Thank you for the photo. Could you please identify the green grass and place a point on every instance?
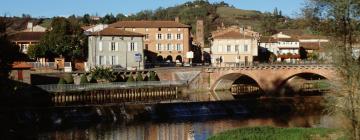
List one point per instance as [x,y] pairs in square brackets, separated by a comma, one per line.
[272,133]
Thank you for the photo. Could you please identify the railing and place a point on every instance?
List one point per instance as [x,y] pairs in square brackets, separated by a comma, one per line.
[114,85]
[47,64]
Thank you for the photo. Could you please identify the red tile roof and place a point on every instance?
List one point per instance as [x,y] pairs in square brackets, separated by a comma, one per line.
[21,65]
[312,45]
[148,24]
[232,35]
[26,36]
[115,32]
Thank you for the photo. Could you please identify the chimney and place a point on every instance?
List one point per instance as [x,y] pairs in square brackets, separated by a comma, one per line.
[30,26]
[177,19]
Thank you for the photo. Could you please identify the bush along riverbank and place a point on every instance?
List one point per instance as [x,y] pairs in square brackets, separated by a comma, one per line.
[273,133]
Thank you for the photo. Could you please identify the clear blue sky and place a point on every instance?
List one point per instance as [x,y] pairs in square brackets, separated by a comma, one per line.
[49,8]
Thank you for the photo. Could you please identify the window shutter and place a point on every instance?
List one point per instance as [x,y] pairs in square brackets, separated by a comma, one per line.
[97,60]
[129,47]
[181,47]
[100,46]
[220,49]
[157,47]
[161,47]
[117,46]
[181,36]
[109,46]
[173,36]
[156,36]
[105,60]
[163,36]
[171,47]
[135,46]
[116,60]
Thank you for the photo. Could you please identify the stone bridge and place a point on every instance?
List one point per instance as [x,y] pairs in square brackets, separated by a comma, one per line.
[269,77]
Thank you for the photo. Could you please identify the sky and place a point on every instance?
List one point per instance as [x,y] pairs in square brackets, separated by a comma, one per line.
[50,8]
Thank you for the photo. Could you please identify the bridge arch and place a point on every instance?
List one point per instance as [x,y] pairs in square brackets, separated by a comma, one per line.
[226,81]
[289,83]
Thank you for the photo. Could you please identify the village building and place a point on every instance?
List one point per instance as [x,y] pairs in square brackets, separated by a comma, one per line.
[112,47]
[234,45]
[164,40]
[30,36]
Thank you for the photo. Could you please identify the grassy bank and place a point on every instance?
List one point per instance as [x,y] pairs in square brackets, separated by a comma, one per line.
[271,133]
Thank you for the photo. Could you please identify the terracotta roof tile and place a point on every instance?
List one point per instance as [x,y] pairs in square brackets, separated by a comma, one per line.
[312,45]
[148,24]
[21,65]
[27,36]
[115,32]
[232,35]
[267,39]
[287,40]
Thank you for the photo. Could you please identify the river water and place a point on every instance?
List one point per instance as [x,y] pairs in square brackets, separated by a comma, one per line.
[195,129]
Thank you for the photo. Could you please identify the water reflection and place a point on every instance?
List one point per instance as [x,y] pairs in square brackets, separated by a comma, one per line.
[196,130]
[176,131]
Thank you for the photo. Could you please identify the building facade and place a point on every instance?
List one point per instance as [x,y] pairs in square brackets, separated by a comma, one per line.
[116,47]
[164,40]
[27,37]
[234,46]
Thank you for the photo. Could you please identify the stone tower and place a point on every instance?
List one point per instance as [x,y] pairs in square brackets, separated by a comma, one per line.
[200,33]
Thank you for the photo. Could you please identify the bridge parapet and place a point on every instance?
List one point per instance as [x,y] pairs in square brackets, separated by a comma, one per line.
[277,66]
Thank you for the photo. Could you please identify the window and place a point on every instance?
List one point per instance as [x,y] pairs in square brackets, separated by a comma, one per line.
[146,29]
[159,36]
[146,46]
[228,48]
[169,48]
[147,37]
[169,29]
[245,48]
[132,46]
[113,46]
[133,29]
[159,29]
[178,36]
[178,47]
[237,48]
[169,36]
[113,60]
[100,46]
[101,60]
[159,47]
[179,29]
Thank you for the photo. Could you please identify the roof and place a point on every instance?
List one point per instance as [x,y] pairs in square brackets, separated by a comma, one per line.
[115,32]
[267,39]
[287,40]
[87,27]
[27,36]
[312,45]
[21,65]
[148,24]
[232,35]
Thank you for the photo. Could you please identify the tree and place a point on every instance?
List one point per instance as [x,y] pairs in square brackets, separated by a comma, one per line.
[62,81]
[86,19]
[342,19]
[66,39]
[108,19]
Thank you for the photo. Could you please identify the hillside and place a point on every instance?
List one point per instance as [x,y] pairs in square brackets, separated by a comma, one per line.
[234,16]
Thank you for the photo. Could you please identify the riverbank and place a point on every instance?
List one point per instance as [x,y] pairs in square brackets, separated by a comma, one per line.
[273,133]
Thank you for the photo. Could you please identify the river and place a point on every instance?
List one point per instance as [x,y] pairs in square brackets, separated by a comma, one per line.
[193,129]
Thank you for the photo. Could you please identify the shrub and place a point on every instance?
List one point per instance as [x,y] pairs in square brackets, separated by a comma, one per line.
[130,79]
[100,73]
[62,81]
[139,77]
[152,76]
[83,79]
[68,78]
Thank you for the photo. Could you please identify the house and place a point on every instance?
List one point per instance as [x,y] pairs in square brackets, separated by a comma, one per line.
[234,45]
[115,47]
[93,28]
[164,40]
[283,46]
[20,71]
[30,36]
